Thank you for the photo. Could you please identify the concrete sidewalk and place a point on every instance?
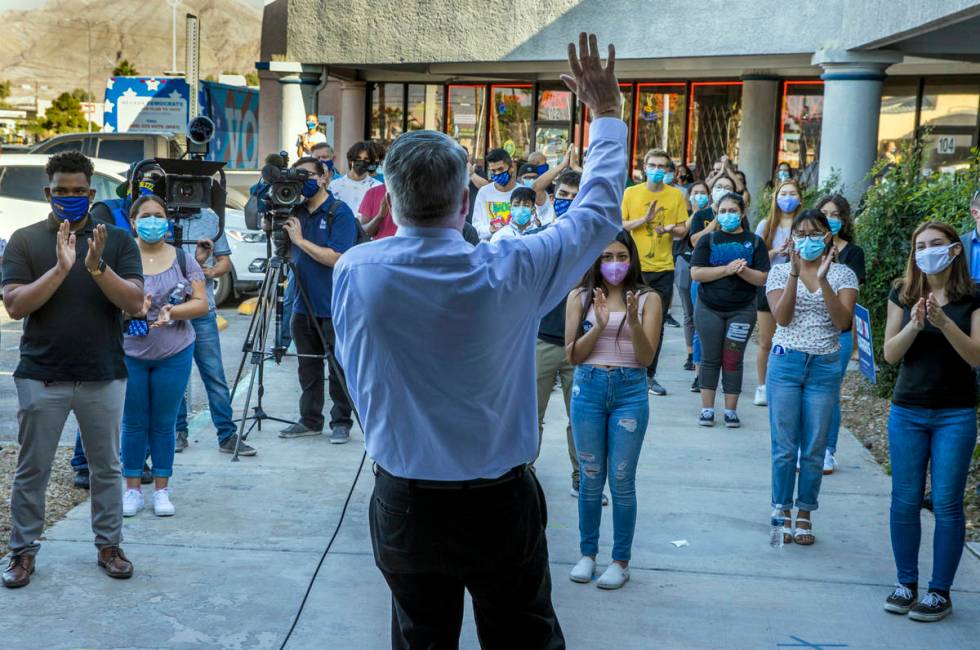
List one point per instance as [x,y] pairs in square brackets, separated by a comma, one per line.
[230,570]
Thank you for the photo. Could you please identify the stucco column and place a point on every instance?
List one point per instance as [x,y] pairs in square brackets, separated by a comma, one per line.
[760,99]
[296,103]
[350,128]
[851,107]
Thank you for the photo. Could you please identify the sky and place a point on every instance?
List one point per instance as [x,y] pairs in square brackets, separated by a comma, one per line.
[6,5]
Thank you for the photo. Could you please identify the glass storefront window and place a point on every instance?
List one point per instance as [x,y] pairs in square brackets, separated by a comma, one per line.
[948,122]
[896,122]
[554,106]
[552,141]
[659,120]
[510,120]
[387,112]
[467,119]
[425,107]
[627,115]
[714,116]
[800,123]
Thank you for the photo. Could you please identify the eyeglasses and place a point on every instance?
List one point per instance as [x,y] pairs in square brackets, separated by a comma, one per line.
[814,237]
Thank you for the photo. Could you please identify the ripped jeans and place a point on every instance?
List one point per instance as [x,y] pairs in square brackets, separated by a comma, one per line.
[610,410]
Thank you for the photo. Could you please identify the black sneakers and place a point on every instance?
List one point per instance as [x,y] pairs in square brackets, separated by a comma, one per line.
[228,446]
[707,418]
[689,364]
[655,387]
[81,478]
[732,421]
[901,600]
[933,607]
[670,320]
[695,387]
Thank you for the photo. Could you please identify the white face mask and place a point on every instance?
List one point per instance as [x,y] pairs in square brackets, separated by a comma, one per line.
[935,259]
[718,192]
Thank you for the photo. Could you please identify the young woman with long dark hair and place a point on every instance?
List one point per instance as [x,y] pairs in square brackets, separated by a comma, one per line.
[933,330]
[775,231]
[612,323]
[838,212]
[812,299]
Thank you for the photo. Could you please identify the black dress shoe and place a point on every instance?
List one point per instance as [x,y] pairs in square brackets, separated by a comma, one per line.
[81,478]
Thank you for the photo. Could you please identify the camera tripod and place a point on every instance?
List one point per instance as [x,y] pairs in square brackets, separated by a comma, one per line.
[267,318]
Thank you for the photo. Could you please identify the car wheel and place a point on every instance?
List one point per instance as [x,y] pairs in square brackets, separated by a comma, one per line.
[223,288]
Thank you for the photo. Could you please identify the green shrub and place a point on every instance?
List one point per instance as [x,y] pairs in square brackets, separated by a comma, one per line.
[900,199]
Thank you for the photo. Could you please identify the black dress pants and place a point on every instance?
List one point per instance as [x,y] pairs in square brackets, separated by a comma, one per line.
[431,544]
[311,374]
[663,283]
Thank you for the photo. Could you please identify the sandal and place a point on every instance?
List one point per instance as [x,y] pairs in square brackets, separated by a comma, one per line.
[801,535]
[788,529]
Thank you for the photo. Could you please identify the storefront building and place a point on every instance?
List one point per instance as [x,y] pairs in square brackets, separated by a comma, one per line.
[860,79]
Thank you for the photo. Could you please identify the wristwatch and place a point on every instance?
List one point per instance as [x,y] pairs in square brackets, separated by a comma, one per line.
[99,269]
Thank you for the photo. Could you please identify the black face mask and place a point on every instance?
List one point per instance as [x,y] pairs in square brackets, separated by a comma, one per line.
[373,167]
[361,166]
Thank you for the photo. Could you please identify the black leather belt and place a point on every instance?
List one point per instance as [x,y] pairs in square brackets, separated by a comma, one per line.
[472,484]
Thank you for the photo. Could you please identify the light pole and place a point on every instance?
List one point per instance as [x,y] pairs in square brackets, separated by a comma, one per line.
[173,35]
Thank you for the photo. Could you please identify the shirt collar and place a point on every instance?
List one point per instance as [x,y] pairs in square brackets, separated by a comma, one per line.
[429,233]
[975,236]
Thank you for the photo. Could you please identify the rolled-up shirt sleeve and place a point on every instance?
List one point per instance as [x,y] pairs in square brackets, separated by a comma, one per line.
[557,257]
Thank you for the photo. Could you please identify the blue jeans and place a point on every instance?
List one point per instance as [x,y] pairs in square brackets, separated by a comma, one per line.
[916,436]
[207,356]
[846,347]
[153,393]
[78,460]
[610,410]
[696,343]
[802,390]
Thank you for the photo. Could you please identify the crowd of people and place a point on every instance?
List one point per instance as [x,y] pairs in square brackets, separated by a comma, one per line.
[149,315]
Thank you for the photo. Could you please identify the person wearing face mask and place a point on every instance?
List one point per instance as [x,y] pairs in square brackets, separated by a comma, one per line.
[612,322]
[700,199]
[377,156]
[352,187]
[838,212]
[781,174]
[812,299]
[684,177]
[523,216]
[74,278]
[682,278]
[655,213]
[491,210]
[527,176]
[311,136]
[158,355]
[775,231]
[729,265]
[325,154]
[933,330]
[320,231]
[971,239]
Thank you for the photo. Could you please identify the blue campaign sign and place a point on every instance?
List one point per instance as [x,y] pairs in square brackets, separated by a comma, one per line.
[146,104]
[235,111]
[866,356]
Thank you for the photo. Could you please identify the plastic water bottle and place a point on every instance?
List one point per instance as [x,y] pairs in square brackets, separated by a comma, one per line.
[177,295]
[776,520]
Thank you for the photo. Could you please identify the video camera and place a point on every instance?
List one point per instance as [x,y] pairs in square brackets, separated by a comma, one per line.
[187,185]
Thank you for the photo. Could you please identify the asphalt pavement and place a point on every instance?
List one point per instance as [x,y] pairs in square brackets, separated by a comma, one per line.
[230,570]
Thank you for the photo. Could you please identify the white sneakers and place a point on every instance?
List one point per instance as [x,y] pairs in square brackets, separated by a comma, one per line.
[614,577]
[583,571]
[829,463]
[161,503]
[760,396]
[133,502]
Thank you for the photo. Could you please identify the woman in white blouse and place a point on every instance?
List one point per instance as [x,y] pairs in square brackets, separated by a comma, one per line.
[812,299]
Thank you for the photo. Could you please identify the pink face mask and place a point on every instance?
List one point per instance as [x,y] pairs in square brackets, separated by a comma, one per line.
[614,272]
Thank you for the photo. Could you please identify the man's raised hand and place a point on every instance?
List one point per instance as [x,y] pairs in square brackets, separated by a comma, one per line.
[595,84]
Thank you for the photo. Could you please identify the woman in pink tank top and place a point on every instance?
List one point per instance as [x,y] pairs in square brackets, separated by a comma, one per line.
[612,325]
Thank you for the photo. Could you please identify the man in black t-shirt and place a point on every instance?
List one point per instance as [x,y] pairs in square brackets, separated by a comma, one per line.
[72,278]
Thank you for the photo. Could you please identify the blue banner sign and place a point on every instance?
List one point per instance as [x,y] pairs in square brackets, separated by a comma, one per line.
[866,355]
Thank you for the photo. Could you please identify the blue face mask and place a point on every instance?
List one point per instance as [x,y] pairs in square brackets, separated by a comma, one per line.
[729,221]
[152,229]
[543,168]
[520,215]
[310,187]
[701,201]
[782,175]
[809,249]
[311,125]
[655,175]
[70,208]
[835,225]
[329,165]
[502,179]
[788,203]
[561,206]
[528,182]
[669,178]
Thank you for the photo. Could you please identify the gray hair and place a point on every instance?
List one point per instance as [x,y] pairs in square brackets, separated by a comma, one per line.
[425,172]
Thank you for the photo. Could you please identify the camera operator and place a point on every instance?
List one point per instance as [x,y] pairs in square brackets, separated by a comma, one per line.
[320,230]
[214,259]
[72,277]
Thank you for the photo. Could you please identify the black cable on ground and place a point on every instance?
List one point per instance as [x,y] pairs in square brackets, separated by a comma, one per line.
[323,557]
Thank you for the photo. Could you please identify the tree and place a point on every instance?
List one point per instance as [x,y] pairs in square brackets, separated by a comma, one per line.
[82,95]
[252,78]
[63,116]
[4,93]
[125,69]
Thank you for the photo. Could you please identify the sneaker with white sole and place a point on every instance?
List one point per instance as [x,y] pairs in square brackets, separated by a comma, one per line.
[760,396]
[829,462]
[583,571]
[132,502]
[614,577]
[162,507]
[901,600]
[931,608]
[732,421]
[707,418]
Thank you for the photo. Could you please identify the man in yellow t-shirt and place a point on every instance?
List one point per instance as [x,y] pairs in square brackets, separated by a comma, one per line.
[655,214]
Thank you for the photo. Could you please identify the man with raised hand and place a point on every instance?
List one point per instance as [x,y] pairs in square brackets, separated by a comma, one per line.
[455,506]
